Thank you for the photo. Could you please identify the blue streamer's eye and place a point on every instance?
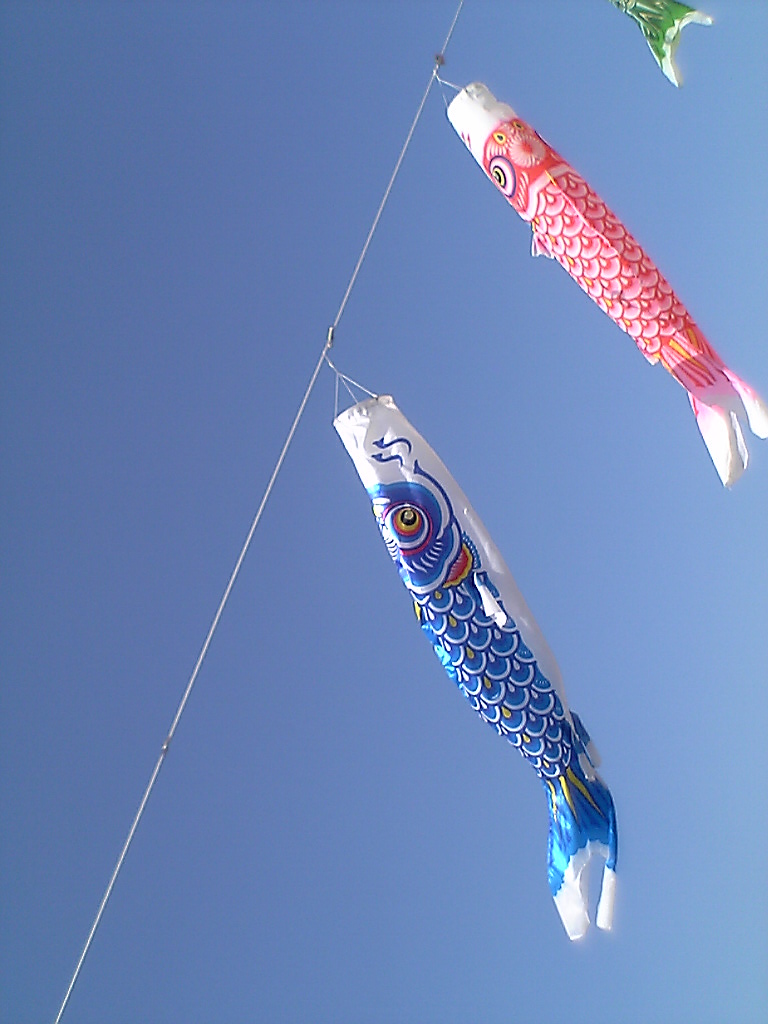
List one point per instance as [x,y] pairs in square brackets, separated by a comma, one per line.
[407,520]
[409,526]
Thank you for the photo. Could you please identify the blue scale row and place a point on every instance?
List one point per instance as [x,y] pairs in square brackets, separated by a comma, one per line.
[499,676]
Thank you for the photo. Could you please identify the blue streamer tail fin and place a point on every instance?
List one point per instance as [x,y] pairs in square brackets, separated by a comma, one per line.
[582,824]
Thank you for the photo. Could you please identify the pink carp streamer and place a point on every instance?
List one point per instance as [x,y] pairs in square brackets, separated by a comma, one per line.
[572,225]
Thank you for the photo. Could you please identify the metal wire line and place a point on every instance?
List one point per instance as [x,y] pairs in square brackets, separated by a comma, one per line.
[439,60]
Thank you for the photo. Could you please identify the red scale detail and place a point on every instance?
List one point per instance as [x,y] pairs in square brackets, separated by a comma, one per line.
[574,225]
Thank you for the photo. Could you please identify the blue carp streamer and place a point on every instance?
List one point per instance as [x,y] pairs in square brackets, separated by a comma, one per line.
[487,641]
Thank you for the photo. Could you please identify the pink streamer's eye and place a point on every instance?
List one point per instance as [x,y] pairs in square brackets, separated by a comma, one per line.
[503,173]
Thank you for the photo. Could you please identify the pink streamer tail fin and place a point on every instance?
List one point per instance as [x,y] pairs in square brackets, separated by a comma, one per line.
[755,407]
[724,439]
[720,416]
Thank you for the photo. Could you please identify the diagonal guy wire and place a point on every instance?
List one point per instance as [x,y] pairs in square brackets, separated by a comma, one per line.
[439,60]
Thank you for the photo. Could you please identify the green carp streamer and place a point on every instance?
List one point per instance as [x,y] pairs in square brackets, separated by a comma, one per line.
[661,22]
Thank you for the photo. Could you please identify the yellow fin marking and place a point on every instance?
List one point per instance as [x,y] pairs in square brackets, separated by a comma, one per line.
[678,348]
[567,795]
[581,788]
[553,794]
[694,340]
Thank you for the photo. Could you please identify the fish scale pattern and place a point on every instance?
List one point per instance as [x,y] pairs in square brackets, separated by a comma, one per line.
[480,646]
[498,675]
[573,225]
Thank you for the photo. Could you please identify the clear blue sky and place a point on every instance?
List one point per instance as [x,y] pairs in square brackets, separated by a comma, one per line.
[184,189]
